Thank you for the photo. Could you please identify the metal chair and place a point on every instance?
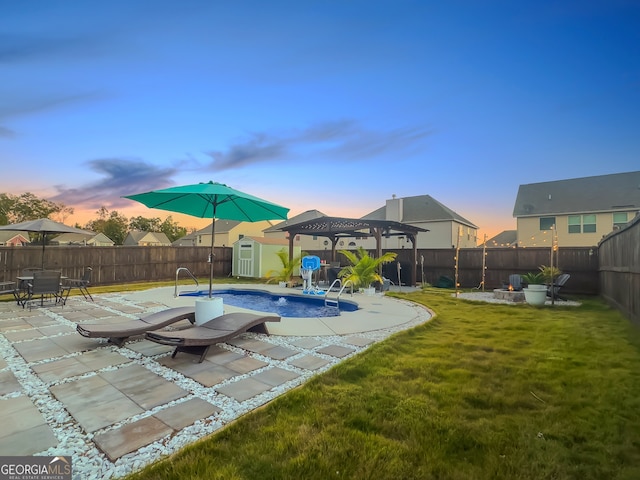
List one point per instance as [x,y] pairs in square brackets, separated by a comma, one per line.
[45,283]
[81,284]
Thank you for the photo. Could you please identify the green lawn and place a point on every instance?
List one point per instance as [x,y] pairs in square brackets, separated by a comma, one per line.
[483,391]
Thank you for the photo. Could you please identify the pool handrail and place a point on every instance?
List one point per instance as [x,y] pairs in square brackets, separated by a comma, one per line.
[175,291]
[336,302]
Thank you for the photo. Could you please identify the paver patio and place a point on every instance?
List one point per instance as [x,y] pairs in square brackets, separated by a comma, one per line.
[62,392]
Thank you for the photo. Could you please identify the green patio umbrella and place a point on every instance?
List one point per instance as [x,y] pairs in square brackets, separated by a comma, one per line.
[215,201]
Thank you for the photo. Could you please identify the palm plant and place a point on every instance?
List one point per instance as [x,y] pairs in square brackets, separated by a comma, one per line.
[533,278]
[549,273]
[363,270]
[285,274]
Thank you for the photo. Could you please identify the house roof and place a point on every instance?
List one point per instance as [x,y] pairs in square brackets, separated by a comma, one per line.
[69,238]
[6,235]
[422,208]
[222,226]
[302,217]
[151,237]
[506,238]
[603,193]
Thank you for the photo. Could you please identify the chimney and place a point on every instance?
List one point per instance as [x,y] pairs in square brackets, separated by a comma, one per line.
[394,209]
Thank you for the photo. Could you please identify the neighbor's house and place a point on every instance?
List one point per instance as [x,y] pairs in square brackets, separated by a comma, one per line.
[583,210]
[9,238]
[146,239]
[305,242]
[227,232]
[447,229]
[93,239]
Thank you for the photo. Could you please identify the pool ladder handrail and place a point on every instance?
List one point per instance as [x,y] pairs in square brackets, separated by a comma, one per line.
[175,291]
[336,303]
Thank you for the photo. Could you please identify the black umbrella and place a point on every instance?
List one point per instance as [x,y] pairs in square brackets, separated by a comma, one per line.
[43,226]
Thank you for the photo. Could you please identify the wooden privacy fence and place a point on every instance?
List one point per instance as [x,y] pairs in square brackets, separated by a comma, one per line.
[580,262]
[116,264]
[122,264]
[619,255]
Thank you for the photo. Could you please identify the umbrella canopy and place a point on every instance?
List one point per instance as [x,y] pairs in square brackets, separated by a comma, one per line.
[215,201]
[43,226]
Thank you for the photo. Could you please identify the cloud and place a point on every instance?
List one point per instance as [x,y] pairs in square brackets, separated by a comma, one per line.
[6,132]
[120,177]
[19,48]
[331,141]
[18,105]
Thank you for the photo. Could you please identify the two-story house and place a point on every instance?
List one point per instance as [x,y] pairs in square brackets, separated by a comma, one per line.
[447,229]
[580,210]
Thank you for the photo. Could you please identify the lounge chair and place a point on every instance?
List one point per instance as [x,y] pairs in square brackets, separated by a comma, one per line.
[117,333]
[197,340]
[557,285]
[515,281]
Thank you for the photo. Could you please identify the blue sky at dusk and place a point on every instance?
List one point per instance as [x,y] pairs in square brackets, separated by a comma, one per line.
[328,105]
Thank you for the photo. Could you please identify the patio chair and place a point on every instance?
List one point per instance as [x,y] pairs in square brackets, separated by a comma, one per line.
[515,281]
[45,284]
[557,285]
[197,340]
[117,333]
[79,283]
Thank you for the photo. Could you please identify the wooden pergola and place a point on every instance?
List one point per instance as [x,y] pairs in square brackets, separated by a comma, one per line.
[336,228]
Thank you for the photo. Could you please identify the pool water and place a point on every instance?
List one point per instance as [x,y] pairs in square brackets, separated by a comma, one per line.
[283,305]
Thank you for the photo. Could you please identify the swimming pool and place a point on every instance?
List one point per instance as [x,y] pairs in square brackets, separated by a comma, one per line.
[283,305]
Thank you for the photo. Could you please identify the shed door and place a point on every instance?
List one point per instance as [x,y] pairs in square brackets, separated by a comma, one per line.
[245,260]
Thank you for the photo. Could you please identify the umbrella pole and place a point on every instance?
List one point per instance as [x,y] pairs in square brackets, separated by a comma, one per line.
[44,235]
[211,254]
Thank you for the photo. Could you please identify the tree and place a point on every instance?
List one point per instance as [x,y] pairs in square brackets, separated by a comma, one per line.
[145,224]
[172,230]
[20,208]
[112,224]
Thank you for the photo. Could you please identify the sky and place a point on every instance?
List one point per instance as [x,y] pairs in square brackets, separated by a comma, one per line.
[327,105]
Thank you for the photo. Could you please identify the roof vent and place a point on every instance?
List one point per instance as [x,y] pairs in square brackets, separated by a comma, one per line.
[549,196]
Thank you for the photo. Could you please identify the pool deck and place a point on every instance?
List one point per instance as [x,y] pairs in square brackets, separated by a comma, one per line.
[115,410]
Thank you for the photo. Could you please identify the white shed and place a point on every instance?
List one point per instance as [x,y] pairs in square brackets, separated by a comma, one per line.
[255,256]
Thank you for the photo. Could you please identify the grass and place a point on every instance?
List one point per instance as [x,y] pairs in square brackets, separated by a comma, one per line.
[483,391]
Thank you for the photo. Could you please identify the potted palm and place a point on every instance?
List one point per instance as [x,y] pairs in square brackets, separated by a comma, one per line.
[284,275]
[535,292]
[363,269]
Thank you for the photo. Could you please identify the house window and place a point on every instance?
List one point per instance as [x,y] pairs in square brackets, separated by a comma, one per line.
[619,220]
[582,223]
[589,224]
[574,224]
[547,222]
